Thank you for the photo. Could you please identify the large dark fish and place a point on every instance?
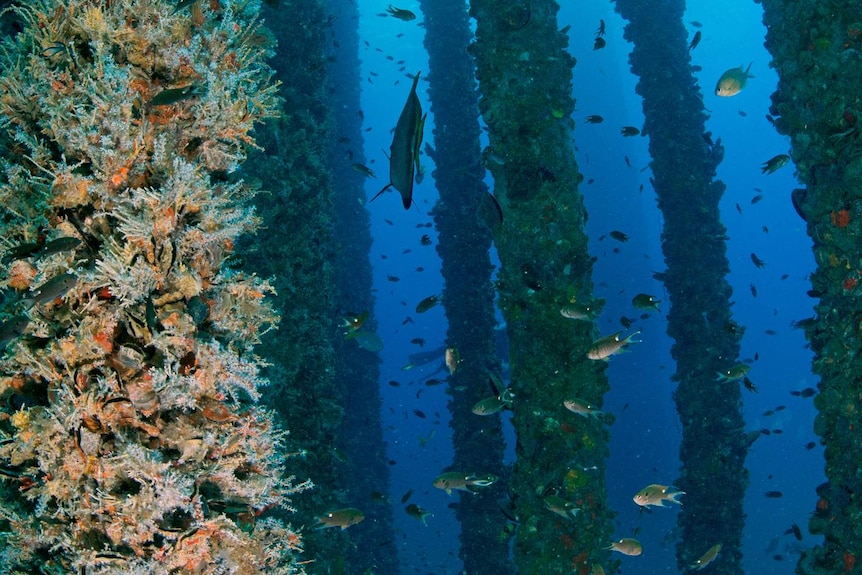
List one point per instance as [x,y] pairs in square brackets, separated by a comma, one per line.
[404,151]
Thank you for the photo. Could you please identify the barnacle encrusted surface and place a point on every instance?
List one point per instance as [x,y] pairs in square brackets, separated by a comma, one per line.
[130,441]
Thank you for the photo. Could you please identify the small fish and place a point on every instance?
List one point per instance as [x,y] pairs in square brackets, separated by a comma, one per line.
[807,392]
[428,303]
[645,301]
[748,384]
[601,30]
[732,82]
[59,245]
[772,165]
[756,199]
[353,322]
[629,131]
[425,240]
[594,119]
[406,497]
[656,495]
[174,95]
[419,413]
[706,558]
[417,513]
[627,546]
[452,358]
[583,408]
[54,288]
[599,43]
[21,251]
[378,497]
[363,169]
[773,494]
[735,373]
[619,236]
[695,41]
[458,480]
[753,289]
[605,347]
[342,518]
[13,328]
[558,505]
[418,341]
[393,279]
[488,406]
[586,312]
[401,14]
[758,263]
[810,445]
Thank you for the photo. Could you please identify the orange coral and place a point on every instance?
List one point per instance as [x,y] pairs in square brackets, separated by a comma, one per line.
[840,219]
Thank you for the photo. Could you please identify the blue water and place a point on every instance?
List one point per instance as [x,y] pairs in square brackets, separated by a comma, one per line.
[645,436]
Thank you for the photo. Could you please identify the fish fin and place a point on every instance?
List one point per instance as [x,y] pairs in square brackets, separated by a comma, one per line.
[747,75]
[386,187]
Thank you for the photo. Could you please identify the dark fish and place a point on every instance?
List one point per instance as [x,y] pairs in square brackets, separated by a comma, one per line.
[418,341]
[52,289]
[619,236]
[753,289]
[400,13]
[21,251]
[773,494]
[810,445]
[418,413]
[758,263]
[404,151]
[393,279]
[629,131]
[807,392]
[406,497]
[13,328]
[59,245]
[756,199]
[427,303]
[363,169]
[748,384]
[695,41]
[601,29]
[425,240]
[594,119]
[174,95]
[599,43]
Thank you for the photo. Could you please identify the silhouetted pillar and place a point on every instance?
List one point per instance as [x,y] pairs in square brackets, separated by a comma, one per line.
[468,296]
[815,49]
[525,77]
[684,160]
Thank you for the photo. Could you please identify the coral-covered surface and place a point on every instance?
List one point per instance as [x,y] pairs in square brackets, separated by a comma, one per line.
[130,440]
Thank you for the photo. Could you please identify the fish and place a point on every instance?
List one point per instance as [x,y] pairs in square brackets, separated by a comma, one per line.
[773,494]
[749,385]
[594,119]
[452,358]
[807,392]
[428,303]
[601,29]
[583,408]
[695,41]
[418,341]
[342,518]
[560,506]
[706,558]
[629,131]
[732,82]
[21,251]
[404,151]
[417,513]
[58,245]
[645,301]
[627,546]
[619,236]
[363,169]
[656,495]
[367,340]
[173,95]
[774,164]
[758,263]
[406,497]
[13,328]
[605,347]
[353,321]
[400,13]
[599,43]
[460,481]
[582,312]
[425,240]
[54,288]
[796,531]
[735,373]
[488,406]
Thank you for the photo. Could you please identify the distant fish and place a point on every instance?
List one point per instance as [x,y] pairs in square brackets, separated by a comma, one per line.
[363,169]
[772,165]
[604,348]
[428,303]
[695,41]
[732,82]
[706,558]
[400,13]
[342,518]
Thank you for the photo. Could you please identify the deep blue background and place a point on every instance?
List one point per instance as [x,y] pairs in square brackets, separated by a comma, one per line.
[645,436]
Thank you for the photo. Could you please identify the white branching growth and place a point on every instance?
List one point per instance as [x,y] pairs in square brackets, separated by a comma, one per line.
[130,440]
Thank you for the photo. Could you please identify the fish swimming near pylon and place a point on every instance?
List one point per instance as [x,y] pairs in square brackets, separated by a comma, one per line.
[404,151]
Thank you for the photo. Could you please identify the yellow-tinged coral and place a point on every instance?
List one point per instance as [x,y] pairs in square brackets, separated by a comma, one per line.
[139,449]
